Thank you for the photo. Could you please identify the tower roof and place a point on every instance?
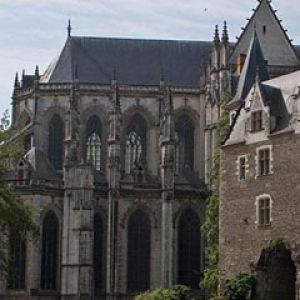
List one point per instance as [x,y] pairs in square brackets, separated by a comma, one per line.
[254,66]
[272,36]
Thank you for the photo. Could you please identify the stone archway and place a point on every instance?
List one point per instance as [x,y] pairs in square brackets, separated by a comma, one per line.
[276,274]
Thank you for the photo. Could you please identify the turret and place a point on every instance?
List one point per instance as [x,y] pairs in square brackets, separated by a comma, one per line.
[215,55]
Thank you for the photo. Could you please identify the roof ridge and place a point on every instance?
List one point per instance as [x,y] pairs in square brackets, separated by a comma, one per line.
[139,39]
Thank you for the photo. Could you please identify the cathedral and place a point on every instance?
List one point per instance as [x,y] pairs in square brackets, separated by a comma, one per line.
[120,136]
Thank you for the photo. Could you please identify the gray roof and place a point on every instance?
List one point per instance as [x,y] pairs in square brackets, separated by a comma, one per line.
[255,63]
[137,62]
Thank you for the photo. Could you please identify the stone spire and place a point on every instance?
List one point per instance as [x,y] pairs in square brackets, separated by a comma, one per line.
[216,36]
[69,28]
[72,127]
[225,37]
[17,82]
[36,73]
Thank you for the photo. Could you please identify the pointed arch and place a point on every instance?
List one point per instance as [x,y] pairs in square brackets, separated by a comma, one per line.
[50,242]
[136,142]
[94,147]
[189,249]
[184,147]
[55,142]
[98,255]
[138,252]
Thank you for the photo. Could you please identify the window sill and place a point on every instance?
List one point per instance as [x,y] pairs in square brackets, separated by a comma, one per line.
[264,227]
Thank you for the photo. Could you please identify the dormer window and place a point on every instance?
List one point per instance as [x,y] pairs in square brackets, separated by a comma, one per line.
[256,121]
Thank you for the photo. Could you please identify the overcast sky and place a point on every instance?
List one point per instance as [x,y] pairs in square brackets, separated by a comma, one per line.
[34,31]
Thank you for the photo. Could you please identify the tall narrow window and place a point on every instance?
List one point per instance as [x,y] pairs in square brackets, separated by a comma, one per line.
[17,258]
[56,139]
[257,121]
[99,279]
[93,143]
[138,259]
[136,143]
[264,211]
[242,167]
[264,162]
[49,252]
[184,151]
[189,249]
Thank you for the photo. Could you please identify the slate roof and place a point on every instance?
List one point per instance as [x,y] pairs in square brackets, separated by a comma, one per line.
[254,63]
[137,62]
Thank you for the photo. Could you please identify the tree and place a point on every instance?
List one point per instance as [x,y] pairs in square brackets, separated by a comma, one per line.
[15,216]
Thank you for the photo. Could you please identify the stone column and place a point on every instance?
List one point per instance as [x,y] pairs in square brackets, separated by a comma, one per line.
[77,240]
[167,144]
[114,175]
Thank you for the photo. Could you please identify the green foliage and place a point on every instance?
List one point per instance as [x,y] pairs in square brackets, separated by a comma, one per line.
[175,293]
[277,244]
[239,287]
[15,215]
[211,225]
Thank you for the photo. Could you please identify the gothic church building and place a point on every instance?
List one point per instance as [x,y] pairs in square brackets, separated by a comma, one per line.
[120,135]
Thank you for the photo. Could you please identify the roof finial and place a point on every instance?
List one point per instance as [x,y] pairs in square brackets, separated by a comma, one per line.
[36,72]
[69,28]
[216,37]
[225,37]
[17,82]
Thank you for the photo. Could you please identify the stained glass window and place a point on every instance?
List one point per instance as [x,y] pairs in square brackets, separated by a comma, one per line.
[93,143]
[136,143]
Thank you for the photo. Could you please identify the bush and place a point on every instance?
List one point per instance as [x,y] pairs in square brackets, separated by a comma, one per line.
[178,292]
[239,287]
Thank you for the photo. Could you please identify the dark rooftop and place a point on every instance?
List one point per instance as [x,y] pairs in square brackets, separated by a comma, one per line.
[137,62]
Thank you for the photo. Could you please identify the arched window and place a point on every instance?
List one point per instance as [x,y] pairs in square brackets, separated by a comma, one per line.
[93,143]
[136,143]
[99,278]
[138,255]
[17,259]
[56,140]
[49,264]
[184,149]
[189,249]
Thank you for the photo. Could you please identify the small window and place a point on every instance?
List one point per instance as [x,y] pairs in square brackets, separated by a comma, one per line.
[242,167]
[264,211]
[264,162]
[256,121]
[264,29]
